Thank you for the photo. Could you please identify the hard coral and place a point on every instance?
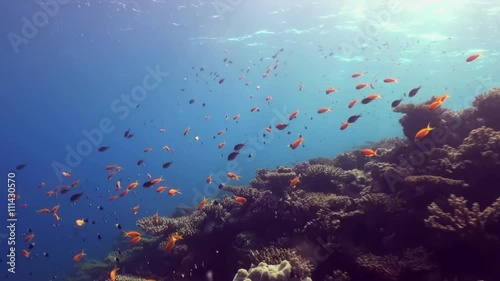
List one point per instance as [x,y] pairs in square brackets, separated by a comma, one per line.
[487,106]
[277,180]
[464,222]
[265,272]
[300,267]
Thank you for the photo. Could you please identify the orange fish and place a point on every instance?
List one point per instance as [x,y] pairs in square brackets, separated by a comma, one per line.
[209,179]
[281,126]
[442,98]
[352,103]
[356,75]
[473,57]
[173,192]
[110,167]
[240,200]
[294,182]
[135,209]
[149,176]
[156,218]
[331,90]
[390,80]
[220,132]
[43,211]
[435,104]
[111,175]
[373,96]
[148,149]
[66,174]
[369,152]
[362,85]
[79,256]
[80,222]
[56,216]
[125,192]
[324,109]
[221,145]
[55,208]
[202,204]
[166,147]
[161,189]
[135,240]
[187,130]
[236,116]
[296,143]
[255,108]
[293,115]
[42,184]
[25,253]
[232,175]
[133,185]
[171,242]
[157,180]
[111,198]
[75,183]
[344,125]
[131,234]
[24,205]
[29,237]
[112,274]
[424,132]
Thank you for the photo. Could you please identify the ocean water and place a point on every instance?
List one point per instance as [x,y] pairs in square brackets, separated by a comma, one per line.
[71,69]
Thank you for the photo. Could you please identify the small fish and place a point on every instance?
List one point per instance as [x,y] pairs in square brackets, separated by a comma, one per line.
[344,125]
[147,184]
[233,155]
[75,197]
[99,236]
[424,132]
[414,91]
[29,237]
[281,126]
[294,182]
[473,57]
[236,117]
[369,152]
[21,166]
[363,85]
[43,211]
[202,204]
[435,105]
[135,209]
[330,90]
[119,226]
[173,192]
[26,253]
[296,143]
[186,131]
[31,246]
[161,189]
[104,148]
[127,133]
[234,176]
[239,146]
[390,80]
[66,174]
[112,274]
[352,103]
[132,185]
[191,101]
[209,179]
[356,75]
[171,242]
[396,102]
[148,149]
[140,162]
[80,222]
[254,108]
[240,199]
[131,234]
[157,180]
[353,118]
[221,80]
[221,145]
[45,254]
[135,240]
[79,256]
[167,164]
[324,109]
[443,97]
[293,115]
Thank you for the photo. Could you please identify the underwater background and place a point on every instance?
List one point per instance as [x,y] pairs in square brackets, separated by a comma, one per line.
[110,91]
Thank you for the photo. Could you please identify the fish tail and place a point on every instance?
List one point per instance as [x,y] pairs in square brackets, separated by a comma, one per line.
[429,126]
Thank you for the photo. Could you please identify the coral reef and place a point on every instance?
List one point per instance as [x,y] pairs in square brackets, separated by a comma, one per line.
[400,215]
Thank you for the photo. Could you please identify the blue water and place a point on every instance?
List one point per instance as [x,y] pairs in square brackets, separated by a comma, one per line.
[71,74]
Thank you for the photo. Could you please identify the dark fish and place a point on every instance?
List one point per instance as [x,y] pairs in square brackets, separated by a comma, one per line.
[75,197]
[353,118]
[250,155]
[239,146]
[130,136]
[127,133]
[221,81]
[147,184]
[202,68]
[215,202]
[233,155]
[64,190]
[86,220]
[117,259]
[140,162]
[119,226]
[396,102]
[119,252]
[203,104]
[99,236]
[103,148]
[366,100]
[221,185]
[31,246]
[29,230]
[21,166]
[167,164]
[191,101]
[100,208]
[413,92]
[46,254]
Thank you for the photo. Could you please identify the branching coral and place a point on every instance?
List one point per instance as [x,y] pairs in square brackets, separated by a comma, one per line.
[465,222]
[380,203]
[300,266]
[433,182]
[243,191]
[487,106]
[277,180]
[338,275]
